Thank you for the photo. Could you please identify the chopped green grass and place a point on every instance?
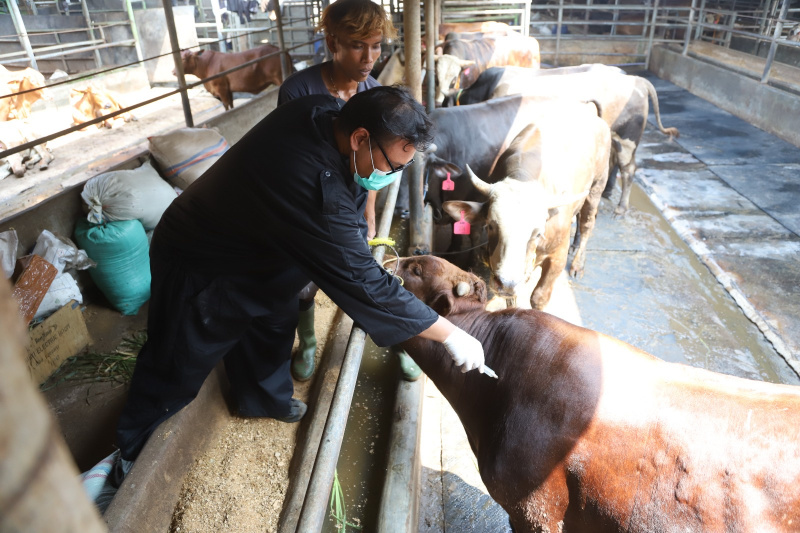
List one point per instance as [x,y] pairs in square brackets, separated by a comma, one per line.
[92,366]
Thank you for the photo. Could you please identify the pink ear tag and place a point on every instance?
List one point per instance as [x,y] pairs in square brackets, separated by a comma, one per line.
[461,227]
[448,185]
[466,71]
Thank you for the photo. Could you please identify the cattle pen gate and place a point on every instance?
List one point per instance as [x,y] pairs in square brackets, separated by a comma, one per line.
[740,54]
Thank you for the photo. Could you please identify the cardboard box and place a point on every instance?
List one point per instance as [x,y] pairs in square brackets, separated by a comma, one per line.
[61,335]
[32,284]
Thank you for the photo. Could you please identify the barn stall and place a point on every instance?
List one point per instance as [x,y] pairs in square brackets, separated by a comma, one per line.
[707,59]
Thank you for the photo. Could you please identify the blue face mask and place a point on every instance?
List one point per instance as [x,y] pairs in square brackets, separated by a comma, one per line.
[378,179]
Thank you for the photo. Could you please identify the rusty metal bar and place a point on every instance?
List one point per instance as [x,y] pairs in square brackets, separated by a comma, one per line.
[285,67]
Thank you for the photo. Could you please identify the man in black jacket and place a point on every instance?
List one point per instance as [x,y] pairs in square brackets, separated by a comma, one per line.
[284,206]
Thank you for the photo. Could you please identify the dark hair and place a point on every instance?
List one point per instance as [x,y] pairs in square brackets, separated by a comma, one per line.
[357,18]
[388,113]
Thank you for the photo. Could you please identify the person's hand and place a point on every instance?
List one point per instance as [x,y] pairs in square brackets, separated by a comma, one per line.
[466,351]
[371,231]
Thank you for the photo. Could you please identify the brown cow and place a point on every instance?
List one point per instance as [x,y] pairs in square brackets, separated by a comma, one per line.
[462,61]
[30,83]
[251,79]
[92,102]
[584,433]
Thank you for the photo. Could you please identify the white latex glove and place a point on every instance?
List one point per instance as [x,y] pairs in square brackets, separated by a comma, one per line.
[466,352]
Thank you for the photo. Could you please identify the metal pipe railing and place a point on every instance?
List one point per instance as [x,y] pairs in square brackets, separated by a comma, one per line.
[315,503]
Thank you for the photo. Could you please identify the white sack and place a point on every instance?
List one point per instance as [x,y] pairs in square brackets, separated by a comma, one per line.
[184,154]
[138,194]
[8,252]
[61,252]
[63,289]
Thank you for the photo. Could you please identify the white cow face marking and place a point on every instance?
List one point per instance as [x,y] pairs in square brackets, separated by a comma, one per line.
[515,222]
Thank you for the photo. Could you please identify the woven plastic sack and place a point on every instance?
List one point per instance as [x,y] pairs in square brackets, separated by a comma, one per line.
[138,194]
[186,153]
[123,262]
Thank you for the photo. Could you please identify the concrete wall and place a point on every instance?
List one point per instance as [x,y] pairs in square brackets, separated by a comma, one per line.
[766,107]
[579,51]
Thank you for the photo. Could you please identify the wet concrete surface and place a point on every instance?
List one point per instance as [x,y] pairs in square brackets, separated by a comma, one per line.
[712,220]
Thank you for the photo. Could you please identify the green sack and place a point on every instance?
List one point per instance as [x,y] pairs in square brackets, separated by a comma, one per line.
[123,261]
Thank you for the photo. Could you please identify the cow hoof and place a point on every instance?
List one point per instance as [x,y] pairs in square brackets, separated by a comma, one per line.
[620,211]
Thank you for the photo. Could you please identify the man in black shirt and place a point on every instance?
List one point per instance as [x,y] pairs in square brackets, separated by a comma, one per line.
[284,206]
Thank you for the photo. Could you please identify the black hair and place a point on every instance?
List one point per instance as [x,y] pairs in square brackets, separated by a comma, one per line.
[388,113]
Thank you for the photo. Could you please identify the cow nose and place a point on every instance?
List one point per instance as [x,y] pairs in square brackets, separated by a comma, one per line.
[506,285]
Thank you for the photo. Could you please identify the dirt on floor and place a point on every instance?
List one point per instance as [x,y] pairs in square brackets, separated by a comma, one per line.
[239,485]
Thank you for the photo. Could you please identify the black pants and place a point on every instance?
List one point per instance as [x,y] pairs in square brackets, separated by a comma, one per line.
[194,321]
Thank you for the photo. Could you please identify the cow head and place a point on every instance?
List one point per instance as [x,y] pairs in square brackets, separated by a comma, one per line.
[448,70]
[440,284]
[189,62]
[516,215]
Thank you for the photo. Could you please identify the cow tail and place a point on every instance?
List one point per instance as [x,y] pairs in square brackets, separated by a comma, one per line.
[596,105]
[672,132]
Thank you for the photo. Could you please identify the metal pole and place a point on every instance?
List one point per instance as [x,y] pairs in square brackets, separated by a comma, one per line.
[19,25]
[217,12]
[134,30]
[688,35]
[558,30]
[319,487]
[431,33]
[285,68]
[419,241]
[700,21]
[762,24]
[176,57]
[85,9]
[399,510]
[773,47]
[615,19]
[652,34]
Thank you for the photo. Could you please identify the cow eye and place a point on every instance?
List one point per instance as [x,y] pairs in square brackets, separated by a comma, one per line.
[416,270]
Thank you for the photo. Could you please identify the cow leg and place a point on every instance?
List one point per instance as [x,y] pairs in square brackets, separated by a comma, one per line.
[551,268]
[45,154]
[223,92]
[586,220]
[625,150]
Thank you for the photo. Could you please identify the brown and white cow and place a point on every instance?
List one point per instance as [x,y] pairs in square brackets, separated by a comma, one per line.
[462,61]
[623,102]
[554,170]
[19,90]
[583,433]
[250,79]
[92,102]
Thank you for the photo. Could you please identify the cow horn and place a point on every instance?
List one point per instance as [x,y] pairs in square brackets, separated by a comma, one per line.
[431,148]
[462,289]
[478,183]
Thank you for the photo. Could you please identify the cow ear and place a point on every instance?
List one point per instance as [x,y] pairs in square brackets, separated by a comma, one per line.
[473,211]
[442,303]
[439,168]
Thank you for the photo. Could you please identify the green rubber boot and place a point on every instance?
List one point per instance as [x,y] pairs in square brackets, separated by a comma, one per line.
[303,360]
[411,372]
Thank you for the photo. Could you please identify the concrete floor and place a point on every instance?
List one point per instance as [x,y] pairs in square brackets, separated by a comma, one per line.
[729,190]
